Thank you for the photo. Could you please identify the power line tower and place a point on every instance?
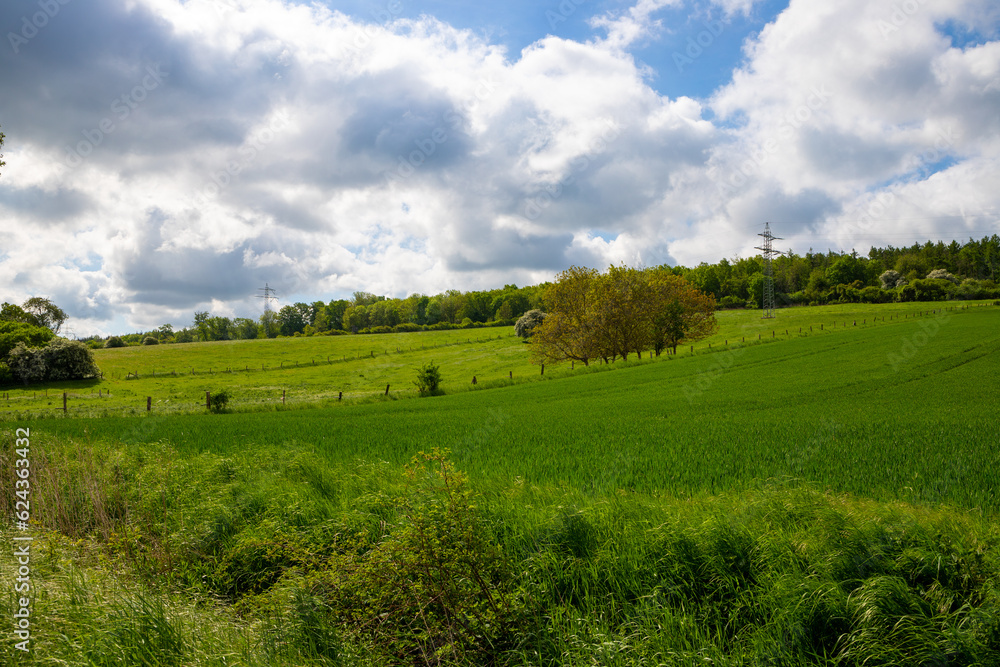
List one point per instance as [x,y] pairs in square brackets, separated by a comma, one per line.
[268,296]
[769,253]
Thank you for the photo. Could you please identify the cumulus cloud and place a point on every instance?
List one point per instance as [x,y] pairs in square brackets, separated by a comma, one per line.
[167,156]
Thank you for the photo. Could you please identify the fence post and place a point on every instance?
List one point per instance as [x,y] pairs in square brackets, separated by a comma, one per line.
[340,396]
[282,396]
[64,402]
[149,403]
[473,379]
[208,400]
[387,390]
[543,369]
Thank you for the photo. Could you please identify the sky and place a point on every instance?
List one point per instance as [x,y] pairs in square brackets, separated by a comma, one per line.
[168,156]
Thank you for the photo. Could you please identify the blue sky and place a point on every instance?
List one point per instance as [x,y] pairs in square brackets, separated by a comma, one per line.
[171,156]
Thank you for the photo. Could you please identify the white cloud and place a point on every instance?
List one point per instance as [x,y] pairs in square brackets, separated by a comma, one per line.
[294,145]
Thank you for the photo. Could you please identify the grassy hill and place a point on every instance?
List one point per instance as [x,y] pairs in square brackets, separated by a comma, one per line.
[260,374]
[823,497]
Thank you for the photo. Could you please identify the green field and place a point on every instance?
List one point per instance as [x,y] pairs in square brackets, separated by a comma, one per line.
[823,497]
[263,374]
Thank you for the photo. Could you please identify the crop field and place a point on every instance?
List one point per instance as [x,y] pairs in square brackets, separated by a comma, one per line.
[853,412]
[823,497]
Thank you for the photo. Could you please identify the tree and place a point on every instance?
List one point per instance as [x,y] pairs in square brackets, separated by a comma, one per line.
[13,333]
[46,313]
[11,313]
[527,322]
[201,323]
[165,333]
[677,312]
[245,328]
[567,332]
[845,271]
[291,320]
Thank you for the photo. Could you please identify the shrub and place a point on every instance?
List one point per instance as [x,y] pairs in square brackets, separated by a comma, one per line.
[429,379]
[942,274]
[731,302]
[891,279]
[60,360]
[114,341]
[217,402]
[407,326]
[448,594]
[6,376]
[527,322]
[149,340]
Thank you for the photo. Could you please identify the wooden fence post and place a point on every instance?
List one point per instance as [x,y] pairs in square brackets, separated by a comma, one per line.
[64,402]
[340,396]
[543,369]
[208,400]
[473,379]
[511,374]
[387,390]
[282,396]
[149,403]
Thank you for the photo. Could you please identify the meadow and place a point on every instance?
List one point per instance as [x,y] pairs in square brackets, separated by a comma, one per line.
[823,497]
[325,370]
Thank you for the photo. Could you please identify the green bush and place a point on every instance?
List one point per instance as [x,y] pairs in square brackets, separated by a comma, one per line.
[429,379]
[12,333]
[60,360]
[114,341]
[731,302]
[446,588]
[527,322]
[218,401]
[149,340]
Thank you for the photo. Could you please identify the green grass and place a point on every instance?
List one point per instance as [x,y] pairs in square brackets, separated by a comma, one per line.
[816,499]
[829,409]
[312,371]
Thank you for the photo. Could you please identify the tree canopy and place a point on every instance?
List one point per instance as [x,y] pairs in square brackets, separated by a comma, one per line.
[605,316]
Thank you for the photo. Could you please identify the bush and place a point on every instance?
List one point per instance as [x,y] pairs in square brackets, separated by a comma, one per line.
[429,380]
[731,302]
[6,376]
[149,340]
[60,360]
[406,327]
[942,274]
[114,341]
[891,279]
[527,322]
[217,402]
[450,596]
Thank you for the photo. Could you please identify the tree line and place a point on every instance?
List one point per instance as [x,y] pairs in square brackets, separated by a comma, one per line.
[921,272]
[363,313]
[831,277]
